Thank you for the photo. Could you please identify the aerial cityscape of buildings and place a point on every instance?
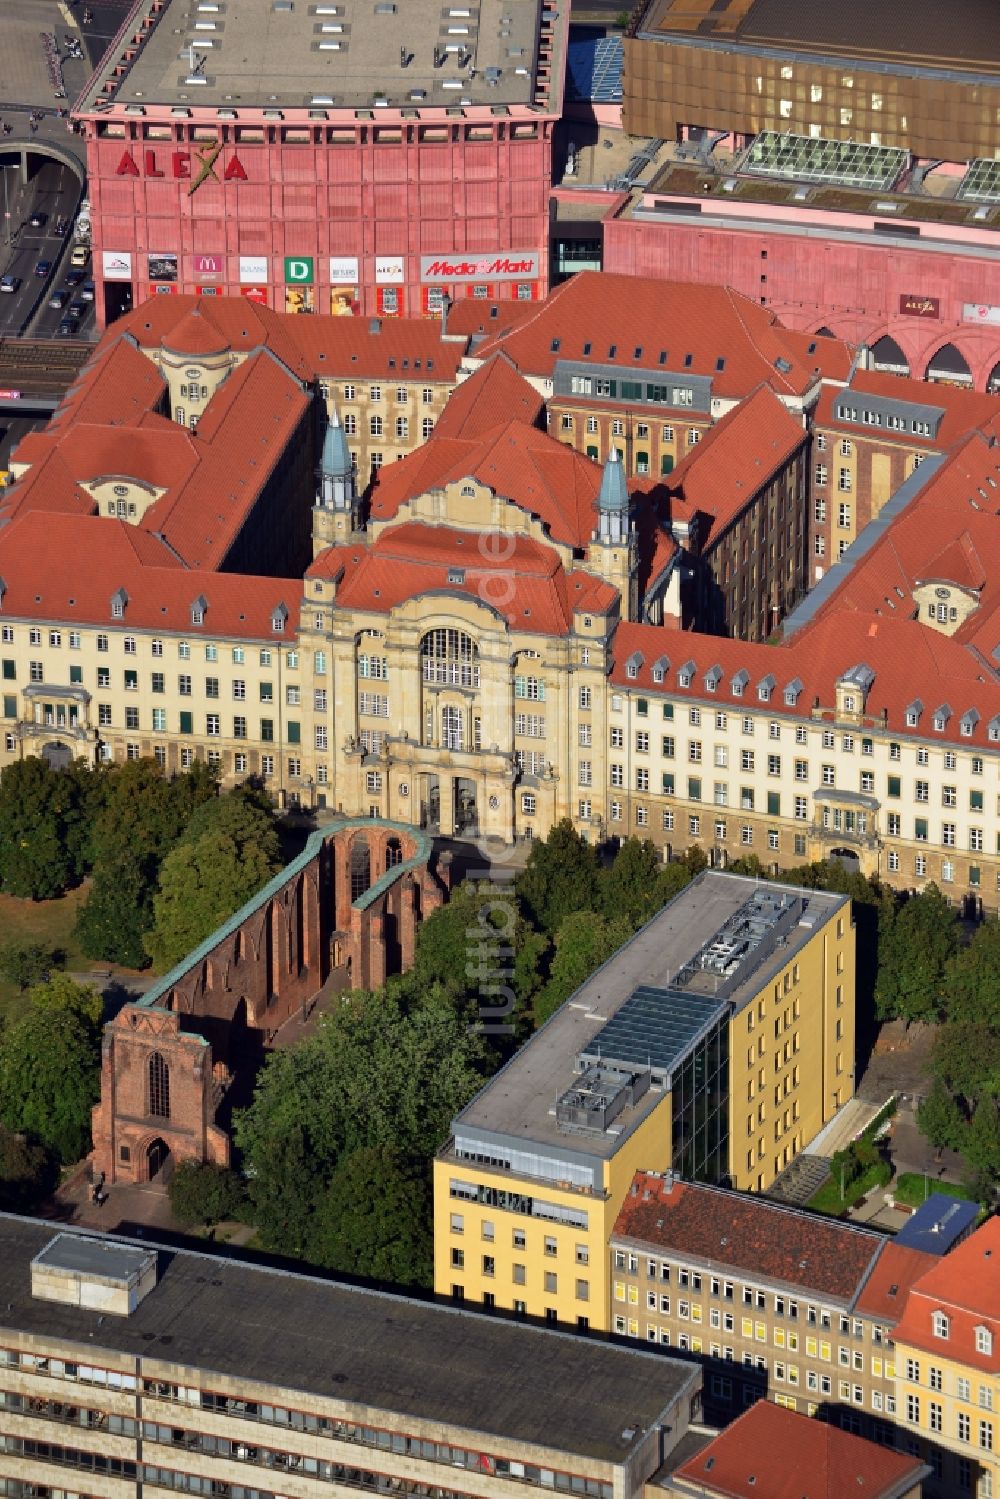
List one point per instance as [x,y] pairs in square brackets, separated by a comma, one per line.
[488,420]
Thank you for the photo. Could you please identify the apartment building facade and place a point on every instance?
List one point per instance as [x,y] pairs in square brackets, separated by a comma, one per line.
[776,1303]
[735,998]
[948,1365]
[275,1384]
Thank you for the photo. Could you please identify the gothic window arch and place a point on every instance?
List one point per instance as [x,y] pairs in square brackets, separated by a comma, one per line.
[361,868]
[159,1087]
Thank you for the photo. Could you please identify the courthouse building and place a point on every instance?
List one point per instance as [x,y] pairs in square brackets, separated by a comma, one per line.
[129,1368]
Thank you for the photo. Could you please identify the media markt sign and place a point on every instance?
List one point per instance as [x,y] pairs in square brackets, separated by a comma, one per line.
[298,270]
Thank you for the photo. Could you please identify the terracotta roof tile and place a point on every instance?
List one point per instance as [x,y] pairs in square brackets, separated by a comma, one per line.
[696,326]
[414,559]
[964,410]
[772,1453]
[66,568]
[228,322]
[540,475]
[888,1287]
[494,395]
[735,1231]
[965,1285]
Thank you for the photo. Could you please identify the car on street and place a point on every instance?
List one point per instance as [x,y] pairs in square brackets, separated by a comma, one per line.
[43,269]
[59,299]
[38,219]
[76,309]
[10,283]
[87,291]
[67,328]
[73,278]
[61,227]
[80,256]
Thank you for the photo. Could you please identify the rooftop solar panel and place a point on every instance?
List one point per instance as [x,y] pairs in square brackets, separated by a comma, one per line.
[799,158]
[981,183]
[653,1028]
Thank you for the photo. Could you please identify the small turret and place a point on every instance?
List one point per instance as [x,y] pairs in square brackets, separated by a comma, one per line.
[613,502]
[337,512]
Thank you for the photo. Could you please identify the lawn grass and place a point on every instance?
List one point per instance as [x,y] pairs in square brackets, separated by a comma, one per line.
[912,1188]
[49,921]
[829,1200]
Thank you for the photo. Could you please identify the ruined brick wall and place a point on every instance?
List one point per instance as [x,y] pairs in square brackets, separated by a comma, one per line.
[347,909]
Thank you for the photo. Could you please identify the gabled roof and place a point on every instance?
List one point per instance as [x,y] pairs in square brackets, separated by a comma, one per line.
[735,459]
[531,469]
[493,395]
[965,1285]
[962,410]
[772,1453]
[65,568]
[739,1232]
[697,327]
[224,322]
[887,1289]
[195,334]
[415,560]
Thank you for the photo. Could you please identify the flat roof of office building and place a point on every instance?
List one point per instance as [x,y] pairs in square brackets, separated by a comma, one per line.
[275,54]
[963,34]
[519,1103]
[438,1364]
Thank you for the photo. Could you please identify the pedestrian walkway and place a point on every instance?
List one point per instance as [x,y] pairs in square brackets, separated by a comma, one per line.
[845,1126]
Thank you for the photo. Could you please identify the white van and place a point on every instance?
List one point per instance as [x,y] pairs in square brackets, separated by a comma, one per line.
[79,257]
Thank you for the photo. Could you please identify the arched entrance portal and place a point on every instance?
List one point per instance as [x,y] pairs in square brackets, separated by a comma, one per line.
[466,814]
[848,858]
[158,1161]
[948,366]
[59,756]
[993,379]
[889,357]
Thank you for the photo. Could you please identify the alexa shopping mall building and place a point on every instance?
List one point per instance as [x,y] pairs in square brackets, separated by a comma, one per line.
[401,154]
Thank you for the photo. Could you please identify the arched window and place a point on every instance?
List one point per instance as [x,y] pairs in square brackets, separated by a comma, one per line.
[393,853]
[949,365]
[993,382]
[361,868]
[159,1087]
[450,657]
[888,356]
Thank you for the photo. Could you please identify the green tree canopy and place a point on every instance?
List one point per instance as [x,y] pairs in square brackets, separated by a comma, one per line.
[61,993]
[967,1060]
[117,912]
[583,942]
[940,1119]
[49,1079]
[374,1219]
[201,1192]
[914,953]
[560,877]
[638,883]
[205,879]
[27,963]
[375,1074]
[972,981]
[38,806]
[981,1145]
[26,1172]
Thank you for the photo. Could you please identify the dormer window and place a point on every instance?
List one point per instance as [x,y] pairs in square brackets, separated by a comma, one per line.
[764,689]
[712,678]
[968,721]
[198,607]
[740,681]
[456,575]
[278,619]
[913,713]
[660,669]
[793,692]
[685,674]
[994,729]
[940,1325]
[941,718]
[632,665]
[468,491]
[118,602]
[984,1341]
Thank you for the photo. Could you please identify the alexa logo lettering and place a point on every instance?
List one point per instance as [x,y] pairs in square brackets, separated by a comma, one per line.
[299,270]
[184,166]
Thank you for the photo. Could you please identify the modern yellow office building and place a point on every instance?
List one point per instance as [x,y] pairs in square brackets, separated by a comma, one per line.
[716,1043]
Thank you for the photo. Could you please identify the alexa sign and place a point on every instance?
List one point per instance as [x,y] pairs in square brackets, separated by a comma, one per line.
[194,167]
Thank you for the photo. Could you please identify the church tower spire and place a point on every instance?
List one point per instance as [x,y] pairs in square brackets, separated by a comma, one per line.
[613,551]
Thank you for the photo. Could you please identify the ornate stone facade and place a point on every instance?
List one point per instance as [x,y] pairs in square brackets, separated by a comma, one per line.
[176,1063]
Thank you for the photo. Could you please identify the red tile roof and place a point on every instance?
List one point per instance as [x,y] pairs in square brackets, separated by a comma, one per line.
[909,661]
[473,317]
[224,322]
[734,460]
[886,1291]
[740,1232]
[493,396]
[965,1285]
[772,1453]
[527,585]
[696,326]
[540,475]
[964,410]
[66,568]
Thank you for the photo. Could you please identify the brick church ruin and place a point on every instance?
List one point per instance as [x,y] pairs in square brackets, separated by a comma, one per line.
[177,1062]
